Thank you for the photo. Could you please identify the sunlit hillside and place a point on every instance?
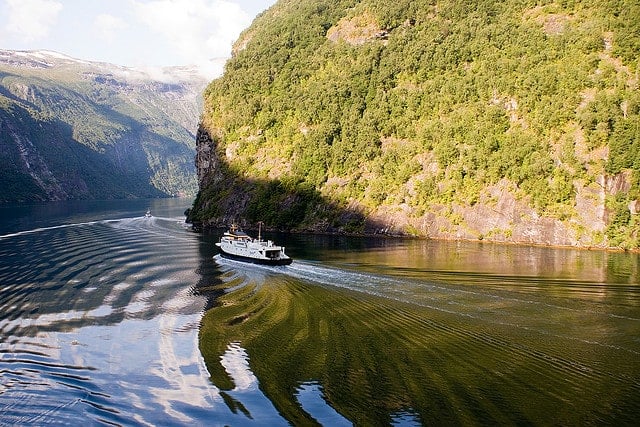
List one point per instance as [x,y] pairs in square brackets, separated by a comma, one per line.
[510,120]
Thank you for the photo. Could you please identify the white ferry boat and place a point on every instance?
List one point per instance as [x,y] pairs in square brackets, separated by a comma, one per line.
[238,245]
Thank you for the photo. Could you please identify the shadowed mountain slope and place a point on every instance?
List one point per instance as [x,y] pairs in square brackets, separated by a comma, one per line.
[72,129]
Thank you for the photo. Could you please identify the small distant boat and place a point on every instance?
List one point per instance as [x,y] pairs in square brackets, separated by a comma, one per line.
[238,245]
[148,214]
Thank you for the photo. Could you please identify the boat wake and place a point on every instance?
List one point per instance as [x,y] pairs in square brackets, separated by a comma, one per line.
[423,293]
[57,227]
[486,304]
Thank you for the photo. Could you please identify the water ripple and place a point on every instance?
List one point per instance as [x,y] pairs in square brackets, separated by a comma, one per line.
[547,347]
[132,322]
[72,299]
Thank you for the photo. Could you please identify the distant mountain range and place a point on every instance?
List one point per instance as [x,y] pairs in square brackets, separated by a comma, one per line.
[73,129]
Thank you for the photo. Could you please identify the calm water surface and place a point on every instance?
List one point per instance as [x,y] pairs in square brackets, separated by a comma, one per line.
[107,317]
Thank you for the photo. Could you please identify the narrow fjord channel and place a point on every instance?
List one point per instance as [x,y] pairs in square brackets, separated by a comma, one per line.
[112,318]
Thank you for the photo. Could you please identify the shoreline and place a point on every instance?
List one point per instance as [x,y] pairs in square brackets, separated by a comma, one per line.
[201,228]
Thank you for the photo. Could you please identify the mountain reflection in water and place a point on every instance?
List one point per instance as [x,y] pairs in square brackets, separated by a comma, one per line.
[107,317]
[382,350]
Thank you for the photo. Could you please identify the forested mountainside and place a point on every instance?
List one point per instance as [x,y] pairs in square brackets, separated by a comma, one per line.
[503,120]
[71,129]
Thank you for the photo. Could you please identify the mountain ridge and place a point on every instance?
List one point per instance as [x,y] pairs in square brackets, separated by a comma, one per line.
[90,130]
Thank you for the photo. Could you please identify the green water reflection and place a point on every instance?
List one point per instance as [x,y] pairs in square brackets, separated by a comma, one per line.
[377,361]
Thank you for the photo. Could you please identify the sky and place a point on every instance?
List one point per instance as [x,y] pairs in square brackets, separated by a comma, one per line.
[134,33]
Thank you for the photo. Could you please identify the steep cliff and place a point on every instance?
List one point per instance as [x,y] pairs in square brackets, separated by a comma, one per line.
[73,129]
[509,121]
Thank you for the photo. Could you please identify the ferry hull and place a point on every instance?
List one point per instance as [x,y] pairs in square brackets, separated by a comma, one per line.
[261,261]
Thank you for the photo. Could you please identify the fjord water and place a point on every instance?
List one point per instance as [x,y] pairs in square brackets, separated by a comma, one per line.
[107,317]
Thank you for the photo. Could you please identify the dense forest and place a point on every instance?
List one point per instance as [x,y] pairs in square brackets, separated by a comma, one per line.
[424,114]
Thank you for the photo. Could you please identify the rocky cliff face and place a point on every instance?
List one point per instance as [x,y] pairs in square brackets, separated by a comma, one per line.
[228,195]
[75,129]
[500,216]
[207,161]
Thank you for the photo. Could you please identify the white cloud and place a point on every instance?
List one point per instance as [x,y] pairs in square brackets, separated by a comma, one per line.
[31,20]
[198,30]
[107,26]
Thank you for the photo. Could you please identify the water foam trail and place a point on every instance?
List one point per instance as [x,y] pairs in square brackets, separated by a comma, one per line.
[412,289]
[316,273]
[61,226]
